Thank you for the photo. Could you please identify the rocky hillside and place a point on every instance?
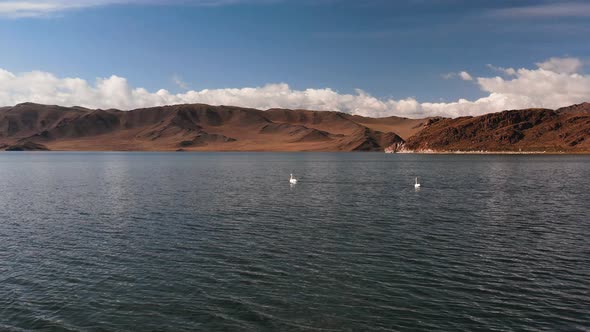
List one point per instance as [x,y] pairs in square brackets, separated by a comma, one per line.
[224,128]
[530,130]
[192,127]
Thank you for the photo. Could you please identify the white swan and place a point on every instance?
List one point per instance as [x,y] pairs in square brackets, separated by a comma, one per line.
[417,185]
[292,180]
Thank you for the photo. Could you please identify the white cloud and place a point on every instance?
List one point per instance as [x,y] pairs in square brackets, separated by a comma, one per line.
[552,84]
[505,71]
[547,10]
[465,76]
[562,65]
[36,8]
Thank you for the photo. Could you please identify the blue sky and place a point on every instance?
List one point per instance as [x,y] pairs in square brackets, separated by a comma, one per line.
[389,49]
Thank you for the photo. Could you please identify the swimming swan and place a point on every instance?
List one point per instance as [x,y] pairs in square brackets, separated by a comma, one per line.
[292,180]
[417,185]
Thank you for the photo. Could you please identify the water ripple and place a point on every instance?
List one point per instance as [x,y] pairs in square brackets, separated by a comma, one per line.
[221,241]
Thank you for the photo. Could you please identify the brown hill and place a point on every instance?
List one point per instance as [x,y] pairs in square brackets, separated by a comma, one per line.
[224,128]
[579,108]
[529,130]
[404,127]
[186,127]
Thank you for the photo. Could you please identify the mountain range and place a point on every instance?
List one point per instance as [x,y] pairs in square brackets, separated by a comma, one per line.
[199,127]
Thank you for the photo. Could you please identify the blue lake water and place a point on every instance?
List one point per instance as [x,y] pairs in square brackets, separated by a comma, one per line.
[222,241]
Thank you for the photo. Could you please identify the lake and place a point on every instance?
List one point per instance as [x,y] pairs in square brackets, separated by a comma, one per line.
[222,241]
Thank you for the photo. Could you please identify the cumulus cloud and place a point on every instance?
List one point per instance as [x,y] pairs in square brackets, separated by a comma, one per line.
[553,83]
[562,65]
[505,71]
[465,76]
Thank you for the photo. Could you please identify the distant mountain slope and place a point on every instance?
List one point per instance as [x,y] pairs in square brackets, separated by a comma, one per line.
[186,127]
[225,128]
[564,130]
[579,108]
[404,127]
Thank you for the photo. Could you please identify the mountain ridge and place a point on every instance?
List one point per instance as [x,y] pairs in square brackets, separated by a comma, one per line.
[186,127]
[201,127]
[566,129]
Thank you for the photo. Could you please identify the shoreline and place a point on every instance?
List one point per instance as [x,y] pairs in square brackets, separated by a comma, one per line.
[425,152]
[486,152]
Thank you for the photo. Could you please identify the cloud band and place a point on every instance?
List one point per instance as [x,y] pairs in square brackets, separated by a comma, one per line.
[554,83]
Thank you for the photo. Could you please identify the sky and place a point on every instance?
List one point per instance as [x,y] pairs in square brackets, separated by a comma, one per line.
[411,58]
